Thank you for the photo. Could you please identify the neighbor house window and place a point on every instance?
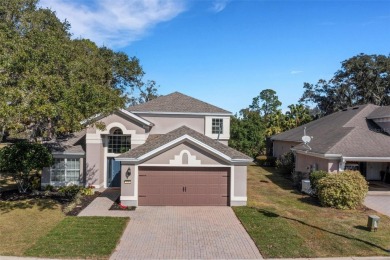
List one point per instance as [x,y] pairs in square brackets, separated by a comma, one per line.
[217,126]
[118,143]
[65,170]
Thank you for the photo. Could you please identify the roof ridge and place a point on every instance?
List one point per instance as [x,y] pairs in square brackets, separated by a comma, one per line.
[177,102]
[364,107]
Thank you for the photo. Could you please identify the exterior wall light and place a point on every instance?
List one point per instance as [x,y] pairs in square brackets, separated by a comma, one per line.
[128,173]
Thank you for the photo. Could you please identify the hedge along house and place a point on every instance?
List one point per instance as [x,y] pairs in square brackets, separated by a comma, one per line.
[354,138]
[169,151]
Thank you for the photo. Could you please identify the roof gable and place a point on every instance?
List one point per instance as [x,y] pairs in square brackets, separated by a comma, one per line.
[177,103]
[159,143]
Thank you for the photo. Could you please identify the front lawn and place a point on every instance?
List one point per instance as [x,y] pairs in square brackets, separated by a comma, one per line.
[24,222]
[284,223]
[38,227]
[86,237]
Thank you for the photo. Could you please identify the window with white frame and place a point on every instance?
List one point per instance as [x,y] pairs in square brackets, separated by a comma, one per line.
[65,170]
[217,126]
[118,143]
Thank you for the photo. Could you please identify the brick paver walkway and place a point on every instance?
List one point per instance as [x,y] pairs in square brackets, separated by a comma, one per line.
[177,232]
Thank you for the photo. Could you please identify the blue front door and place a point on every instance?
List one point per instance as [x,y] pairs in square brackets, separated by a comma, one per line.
[113,173]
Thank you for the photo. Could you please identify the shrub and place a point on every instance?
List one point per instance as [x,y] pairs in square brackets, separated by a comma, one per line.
[88,191]
[345,190]
[49,187]
[35,182]
[314,177]
[297,178]
[286,163]
[264,160]
[71,191]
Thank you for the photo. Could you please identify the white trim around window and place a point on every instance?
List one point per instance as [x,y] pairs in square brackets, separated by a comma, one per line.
[65,171]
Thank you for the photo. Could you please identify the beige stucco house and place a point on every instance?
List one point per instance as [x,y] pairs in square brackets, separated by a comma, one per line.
[354,138]
[169,151]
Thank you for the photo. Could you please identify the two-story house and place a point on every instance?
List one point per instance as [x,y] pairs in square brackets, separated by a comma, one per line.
[169,151]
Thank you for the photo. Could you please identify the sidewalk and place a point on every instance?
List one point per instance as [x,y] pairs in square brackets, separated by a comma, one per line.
[330,258]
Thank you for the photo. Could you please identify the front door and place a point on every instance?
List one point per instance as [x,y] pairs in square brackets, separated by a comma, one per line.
[113,173]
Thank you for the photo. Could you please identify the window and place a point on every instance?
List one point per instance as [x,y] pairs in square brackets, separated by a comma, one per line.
[65,170]
[118,143]
[217,126]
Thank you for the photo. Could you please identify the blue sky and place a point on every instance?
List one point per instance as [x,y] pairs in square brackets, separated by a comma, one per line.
[226,52]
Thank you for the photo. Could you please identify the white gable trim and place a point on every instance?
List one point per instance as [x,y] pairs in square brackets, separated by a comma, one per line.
[125,112]
[366,159]
[179,140]
[323,156]
[138,118]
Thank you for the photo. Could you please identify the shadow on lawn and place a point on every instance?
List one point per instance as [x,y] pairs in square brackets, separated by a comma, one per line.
[278,178]
[309,200]
[41,204]
[271,214]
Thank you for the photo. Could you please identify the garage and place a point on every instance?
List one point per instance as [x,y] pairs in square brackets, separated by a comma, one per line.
[183,186]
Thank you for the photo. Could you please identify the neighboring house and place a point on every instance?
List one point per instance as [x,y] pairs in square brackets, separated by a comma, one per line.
[169,151]
[354,138]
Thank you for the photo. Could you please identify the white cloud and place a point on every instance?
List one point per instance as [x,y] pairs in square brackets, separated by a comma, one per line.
[114,23]
[293,72]
[219,5]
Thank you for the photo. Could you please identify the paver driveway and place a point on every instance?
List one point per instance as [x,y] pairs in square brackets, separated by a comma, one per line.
[379,202]
[185,232]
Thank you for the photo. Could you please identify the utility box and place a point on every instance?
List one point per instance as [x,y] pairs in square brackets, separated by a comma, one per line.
[373,221]
[306,187]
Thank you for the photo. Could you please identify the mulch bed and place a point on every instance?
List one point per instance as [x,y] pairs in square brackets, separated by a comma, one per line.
[85,201]
[14,195]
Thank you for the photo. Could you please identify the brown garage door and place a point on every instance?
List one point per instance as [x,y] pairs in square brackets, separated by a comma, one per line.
[167,186]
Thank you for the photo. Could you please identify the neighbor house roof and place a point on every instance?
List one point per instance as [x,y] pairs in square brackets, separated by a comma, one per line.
[177,103]
[180,135]
[349,133]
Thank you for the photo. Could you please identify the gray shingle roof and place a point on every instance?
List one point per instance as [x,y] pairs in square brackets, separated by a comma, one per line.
[177,103]
[380,112]
[70,145]
[346,132]
[160,140]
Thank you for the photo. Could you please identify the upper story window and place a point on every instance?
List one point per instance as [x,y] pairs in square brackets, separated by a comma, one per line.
[217,126]
[118,143]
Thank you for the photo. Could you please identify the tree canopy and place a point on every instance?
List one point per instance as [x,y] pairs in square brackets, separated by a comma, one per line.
[250,130]
[49,82]
[362,79]
[22,160]
[247,132]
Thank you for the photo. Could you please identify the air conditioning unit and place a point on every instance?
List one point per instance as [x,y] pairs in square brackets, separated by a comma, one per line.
[306,187]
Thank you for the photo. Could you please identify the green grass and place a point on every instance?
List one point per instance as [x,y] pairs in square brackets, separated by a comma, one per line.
[38,227]
[285,223]
[84,237]
[24,222]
